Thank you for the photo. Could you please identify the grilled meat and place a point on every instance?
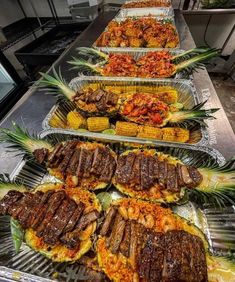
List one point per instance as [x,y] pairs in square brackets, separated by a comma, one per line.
[108,221]
[172,256]
[141,172]
[54,216]
[41,155]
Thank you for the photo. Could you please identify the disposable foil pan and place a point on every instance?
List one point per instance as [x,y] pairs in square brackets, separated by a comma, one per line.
[56,118]
[133,1]
[120,19]
[30,266]
[136,53]
[141,12]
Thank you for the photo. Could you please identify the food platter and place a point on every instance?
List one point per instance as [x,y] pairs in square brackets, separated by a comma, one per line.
[57,117]
[32,266]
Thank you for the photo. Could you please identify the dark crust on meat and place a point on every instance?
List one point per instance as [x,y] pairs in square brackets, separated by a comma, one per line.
[41,155]
[8,200]
[73,163]
[108,222]
[74,218]
[125,244]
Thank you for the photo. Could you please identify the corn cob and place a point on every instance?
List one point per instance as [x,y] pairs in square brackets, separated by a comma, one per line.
[98,123]
[75,120]
[176,134]
[149,132]
[126,128]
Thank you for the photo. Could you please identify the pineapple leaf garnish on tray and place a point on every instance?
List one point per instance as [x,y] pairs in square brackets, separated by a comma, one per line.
[20,140]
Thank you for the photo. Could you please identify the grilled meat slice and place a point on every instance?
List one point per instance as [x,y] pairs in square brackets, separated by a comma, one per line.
[68,152]
[171,181]
[108,222]
[179,175]
[119,170]
[98,156]
[16,209]
[71,239]
[53,155]
[82,160]
[105,155]
[124,168]
[74,218]
[9,200]
[73,163]
[41,155]
[188,182]
[88,164]
[136,229]
[135,175]
[60,219]
[117,233]
[109,168]
[157,258]
[145,182]
[26,214]
[195,176]
[162,173]
[39,211]
[125,244]
[101,104]
[54,203]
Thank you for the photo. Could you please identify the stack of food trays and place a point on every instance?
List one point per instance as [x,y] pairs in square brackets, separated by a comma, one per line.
[99,186]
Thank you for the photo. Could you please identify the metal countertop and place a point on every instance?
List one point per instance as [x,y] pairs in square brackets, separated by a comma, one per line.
[32,108]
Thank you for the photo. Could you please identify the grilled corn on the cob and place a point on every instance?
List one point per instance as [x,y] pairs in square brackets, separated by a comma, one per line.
[149,132]
[126,128]
[175,134]
[97,124]
[75,120]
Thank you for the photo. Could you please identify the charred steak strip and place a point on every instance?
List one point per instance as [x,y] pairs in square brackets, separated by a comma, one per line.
[72,166]
[108,221]
[171,182]
[67,155]
[41,155]
[125,244]
[54,203]
[74,218]
[8,200]
[82,161]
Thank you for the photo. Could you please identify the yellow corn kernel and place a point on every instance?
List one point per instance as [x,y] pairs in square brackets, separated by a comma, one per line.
[75,120]
[126,128]
[182,134]
[97,124]
[168,134]
[150,132]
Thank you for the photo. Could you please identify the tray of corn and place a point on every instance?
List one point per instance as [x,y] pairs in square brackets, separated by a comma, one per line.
[21,259]
[81,114]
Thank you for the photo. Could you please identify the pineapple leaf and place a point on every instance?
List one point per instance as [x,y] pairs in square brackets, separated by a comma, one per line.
[195,114]
[17,234]
[195,62]
[19,139]
[84,67]
[92,53]
[56,85]
[191,52]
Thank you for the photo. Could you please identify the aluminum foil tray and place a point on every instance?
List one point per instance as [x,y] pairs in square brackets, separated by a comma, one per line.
[119,18]
[30,266]
[141,12]
[57,117]
[131,1]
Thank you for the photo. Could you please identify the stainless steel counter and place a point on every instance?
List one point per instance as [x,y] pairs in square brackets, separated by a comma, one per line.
[34,105]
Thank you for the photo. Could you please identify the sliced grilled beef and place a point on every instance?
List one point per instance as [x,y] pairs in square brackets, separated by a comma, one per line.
[134,242]
[157,258]
[54,202]
[73,163]
[117,233]
[60,219]
[108,223]
[179,175]
[53,155]
[88,164]
[135,175]
[105,155]
[172,182]
[119,170]
[151,175]
[67,155]
[145,259]
[15,209]
[26,214]
[109,169]
[162,168]
[101,104]
[125,244]
[74,218]
[145,182]
[195,176]
[41,155]
[82,161]
[98,155]
[39,210]
[156,169]
[71,239]
[9,200]
[124,168]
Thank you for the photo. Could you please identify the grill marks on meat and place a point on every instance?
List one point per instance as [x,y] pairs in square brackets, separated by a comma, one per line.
[41,155]
[68,158]
[172,256]
[142,172]
[54,216]
[102,99]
